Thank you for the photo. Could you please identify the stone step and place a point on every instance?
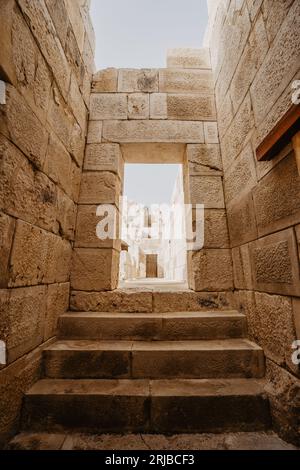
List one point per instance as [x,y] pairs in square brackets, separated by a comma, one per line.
[157,359]
[153,406]
[152,326]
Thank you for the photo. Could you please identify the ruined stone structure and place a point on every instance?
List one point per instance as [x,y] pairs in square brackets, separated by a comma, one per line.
[147,360]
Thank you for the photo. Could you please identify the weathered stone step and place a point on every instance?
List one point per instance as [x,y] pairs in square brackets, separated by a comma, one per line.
[146,406]
[157,359]
[152,326]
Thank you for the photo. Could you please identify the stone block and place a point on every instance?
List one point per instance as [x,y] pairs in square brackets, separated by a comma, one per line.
[153,153]
[23,128]
[24,192]
[59,165]
[7,228]
[86,236]
[27,308]
[207,190]
[104,157]
[211,133]
[275,263]
[277,197]
[275,328]
[242,267]
[99,187]
[225,114]
[133,80]
[186,81]
[211,270]
[215,229]
[95,269]
[119,300]
[74,56]
[57,303]
[191,107]
[204,159]
[153,131]
[138,106]
[94,135]
[65,216]
[108,106]
[105,81]
[274,15]
[296,313]
[279,66]
[241,176]
[158,106]
[188,58]
[242,221]
[60,118]
[77,23]
[77,104]
[59,16]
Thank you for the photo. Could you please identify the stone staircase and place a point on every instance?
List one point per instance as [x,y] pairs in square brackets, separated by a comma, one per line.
[155,372]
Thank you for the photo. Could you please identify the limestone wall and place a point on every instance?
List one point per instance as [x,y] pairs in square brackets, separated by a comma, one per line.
[46,63]
[255,58]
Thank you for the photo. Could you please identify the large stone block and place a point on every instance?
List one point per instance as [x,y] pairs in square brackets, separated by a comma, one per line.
[59,16]
[138,106]
[24,192]
[204,159]
[279,66]
[7,227]
[119,300]
[158,106]
[57,303]
[242,267]
[211,270]
[186,81]
[191,107]
[94,135]
[211,133]
[60,118]
[242,221]
[104,157]
[99,187]
[274,14]
[277,197]
[275,328]
[95,269]
[188,58]
[105,81]
[153,131]
[22,127]
[76,20]
[108,106]
[275,263]
[133,80]
[75,57]
[241,176]
[215,229]
[207,190]
[59,165]
[86,236]
[43,29]
[153,153]
[27,308]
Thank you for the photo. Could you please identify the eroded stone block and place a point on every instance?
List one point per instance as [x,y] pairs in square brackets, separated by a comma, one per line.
[138,106]
[105,81]
[211,270]
[86,235]
[94,132]
[188,58]
[108,106]
[99,187]
[134,80]
[211,133]
[185,81]
[191,107]
[207,190]
[57,304]
[158,106]
[104,157]
[204,159]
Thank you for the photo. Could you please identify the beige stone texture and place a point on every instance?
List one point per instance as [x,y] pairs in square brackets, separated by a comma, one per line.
[274,15]
[207,190]
[275,263]
[76,103]
[134,80]
[188,58]
[76,22]
[225,115]
[99,187]
[275,329]
[59,16]
[4,317]
[204,159]
[191,107]
[27,309]
[138,106]
[158,106]
[296,313]
[86,236]
[108,106]
[242,221]
[24,192]
[105,81]
[211,270]
[242,267]
[241,176]
[185,81]
[74,56]
[57,303]
[153,131]
[211,133]
[215,229]
[123,301]
[277,197]
[94,269]
[153,153]
[22,127]
[65,216]
[7,227]
[94,132]
[104,157]
[278,68]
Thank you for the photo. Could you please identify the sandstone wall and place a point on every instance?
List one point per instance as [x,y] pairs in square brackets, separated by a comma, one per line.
[255,46]
[46,64]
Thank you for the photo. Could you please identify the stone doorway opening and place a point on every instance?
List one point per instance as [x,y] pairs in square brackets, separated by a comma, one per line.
[152,231]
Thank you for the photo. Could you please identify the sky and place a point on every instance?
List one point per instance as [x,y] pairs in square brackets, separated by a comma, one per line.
[137,34]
